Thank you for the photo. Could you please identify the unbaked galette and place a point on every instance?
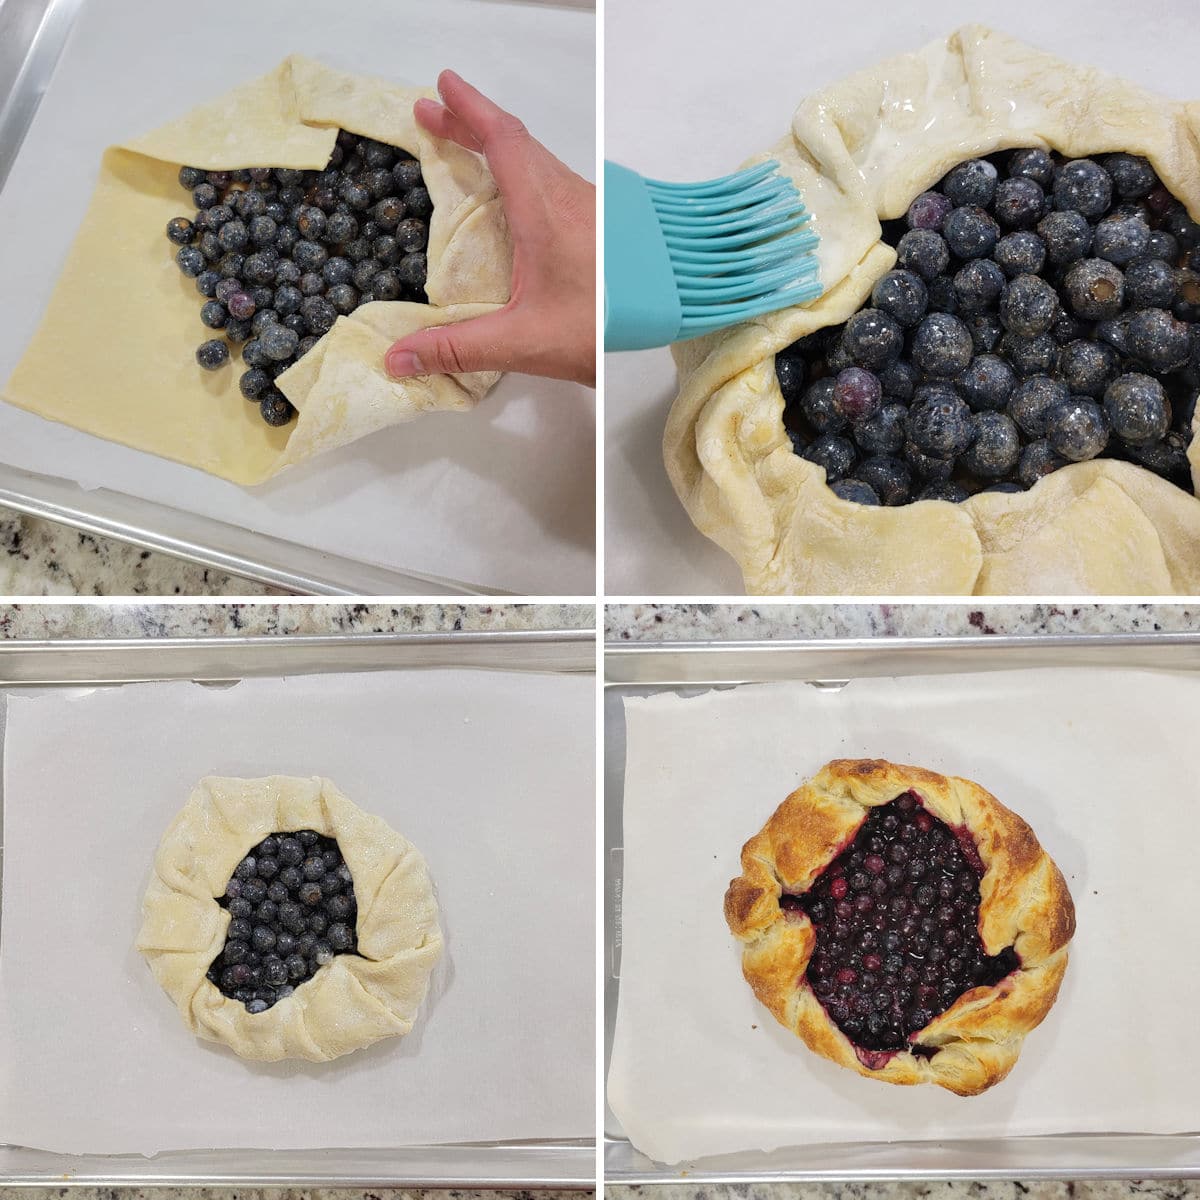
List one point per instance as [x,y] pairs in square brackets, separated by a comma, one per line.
[996,391]
[904,924]
[285,922]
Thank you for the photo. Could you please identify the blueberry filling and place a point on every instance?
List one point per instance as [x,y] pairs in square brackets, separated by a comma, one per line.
[896,916]
[292,909]
[278,254]
[1042,311]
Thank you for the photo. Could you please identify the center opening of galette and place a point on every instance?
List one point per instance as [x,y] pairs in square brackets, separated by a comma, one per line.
[292,909]
[896,916]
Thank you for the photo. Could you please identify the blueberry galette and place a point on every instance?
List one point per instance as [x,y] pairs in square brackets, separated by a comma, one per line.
[285,922]
[996,392]
[903,924]
[320,224]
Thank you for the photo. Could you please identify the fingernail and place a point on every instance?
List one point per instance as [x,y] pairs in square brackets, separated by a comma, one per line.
[402,363]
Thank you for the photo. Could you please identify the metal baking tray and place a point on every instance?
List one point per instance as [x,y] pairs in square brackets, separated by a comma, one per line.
[691,667]
[32,36]
[504,1164]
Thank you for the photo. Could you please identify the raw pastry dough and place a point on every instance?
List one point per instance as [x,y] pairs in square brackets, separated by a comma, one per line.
[860,151]
[350,1003]
[115,352]
[1024,903]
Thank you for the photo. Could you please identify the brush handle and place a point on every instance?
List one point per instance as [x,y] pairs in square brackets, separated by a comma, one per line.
[641,298]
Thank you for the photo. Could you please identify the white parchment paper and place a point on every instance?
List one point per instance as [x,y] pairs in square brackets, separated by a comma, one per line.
[691,94]
[1099,762]
[503,496]
[490,775]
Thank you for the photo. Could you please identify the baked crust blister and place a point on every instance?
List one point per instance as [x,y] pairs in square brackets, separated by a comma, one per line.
[149,396]
[859,152]
[351,1002]
[1024,903]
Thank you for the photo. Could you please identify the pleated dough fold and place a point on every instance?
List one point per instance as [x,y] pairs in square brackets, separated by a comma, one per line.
[115,352]
[860,151]
[353,1001]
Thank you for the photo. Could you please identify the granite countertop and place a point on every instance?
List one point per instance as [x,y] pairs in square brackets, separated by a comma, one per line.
[741,621]
[43,558]
[231,620]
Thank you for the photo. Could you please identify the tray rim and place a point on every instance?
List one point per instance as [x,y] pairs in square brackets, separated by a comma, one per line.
[34,663]
[632,668]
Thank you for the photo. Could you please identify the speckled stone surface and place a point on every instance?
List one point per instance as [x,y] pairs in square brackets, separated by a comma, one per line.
[230,620]
[42,558]
[1093,1190]
[697,622]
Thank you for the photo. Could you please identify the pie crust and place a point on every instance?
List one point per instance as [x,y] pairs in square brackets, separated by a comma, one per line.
[860,151]
[351,1002]
[1024,903]
[115,352]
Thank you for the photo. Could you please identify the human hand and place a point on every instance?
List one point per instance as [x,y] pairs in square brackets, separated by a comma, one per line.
[548,327]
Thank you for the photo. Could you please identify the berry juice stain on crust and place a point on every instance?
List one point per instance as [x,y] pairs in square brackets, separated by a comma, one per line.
[292,909]
[1042,311]
[896,915]
[278,254]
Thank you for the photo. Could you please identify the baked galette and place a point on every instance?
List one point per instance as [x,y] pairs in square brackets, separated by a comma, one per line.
[285,922]
[904,924]
[996,391]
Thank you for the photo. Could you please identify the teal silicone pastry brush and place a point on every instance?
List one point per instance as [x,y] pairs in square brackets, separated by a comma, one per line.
[684,259]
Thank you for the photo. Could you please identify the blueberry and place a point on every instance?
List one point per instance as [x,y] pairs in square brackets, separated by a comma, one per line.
[287,300]
[1019,203]
[214,315]
[1082,186]
[884,432]
[419,202]
[902,296]
[970,232]
[1120,239]
[1029,306]
[818,408]
[1022,253]
[987,383]
[287,273]
[1158,339]
[1094,288]
[888,477]
[1132,175]
[213,355]
[1077,429]
[1150,283]
[341,227]
[355,194]
[190,261]
[899,378]
[319,314]
[233,236]
[979,284]
[309,256]
[1067,236]
[259,268]
[927,211]
[941,346]
[855,491]
[1167,458]
[341,937]
[1162,246]
[943,296]
[363,273]
[230,266]
[923,252]
[1181,227]
[206,283]
[1032,399]
[181,231]
[276,409]
[790,371]
[1086,367]
[939,422]
[343,298]
[340,907]
[927,466]
[297,968]
[857,393]
[311,223]
[262,231]
[1032,164]
[385,286]
[944,489]
[1187,301]
[985,332]
[250,205]
[835,454]
[971,183]
[210,247]
[412,271]
[204,195]
[406,174]
[190,177]
[1138,409]
[237,331]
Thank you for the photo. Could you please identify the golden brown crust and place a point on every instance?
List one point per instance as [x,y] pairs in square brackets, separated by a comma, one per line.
[1024,903]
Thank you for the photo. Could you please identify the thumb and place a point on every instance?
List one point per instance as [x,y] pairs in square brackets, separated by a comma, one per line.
[476,345]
